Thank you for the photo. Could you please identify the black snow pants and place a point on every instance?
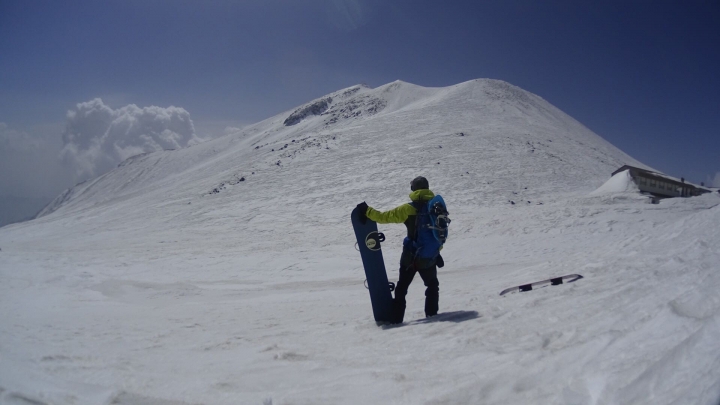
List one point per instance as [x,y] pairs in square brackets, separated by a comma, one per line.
[409,265]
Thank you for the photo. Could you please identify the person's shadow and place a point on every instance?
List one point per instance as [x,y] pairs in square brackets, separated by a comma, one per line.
[455,316]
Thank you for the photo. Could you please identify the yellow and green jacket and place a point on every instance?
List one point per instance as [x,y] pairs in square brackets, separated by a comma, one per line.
[403,214]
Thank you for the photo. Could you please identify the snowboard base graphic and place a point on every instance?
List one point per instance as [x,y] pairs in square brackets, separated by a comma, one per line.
[539,284]
[369,242]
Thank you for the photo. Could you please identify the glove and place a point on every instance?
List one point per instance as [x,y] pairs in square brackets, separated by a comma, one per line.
[362,210]
[439,261]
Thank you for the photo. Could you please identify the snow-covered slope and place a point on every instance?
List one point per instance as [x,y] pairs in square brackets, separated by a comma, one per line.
[226,272]
[463,136]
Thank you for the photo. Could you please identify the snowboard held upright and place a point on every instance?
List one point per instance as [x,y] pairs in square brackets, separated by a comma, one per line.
[369,242]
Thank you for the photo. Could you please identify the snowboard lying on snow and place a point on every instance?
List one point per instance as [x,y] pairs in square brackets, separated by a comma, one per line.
[539,284]
[369,240]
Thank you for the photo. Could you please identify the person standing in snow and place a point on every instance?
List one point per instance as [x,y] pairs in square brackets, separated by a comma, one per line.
[410,262]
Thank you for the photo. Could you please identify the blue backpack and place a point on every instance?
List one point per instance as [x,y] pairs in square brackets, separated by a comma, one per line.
[431,227]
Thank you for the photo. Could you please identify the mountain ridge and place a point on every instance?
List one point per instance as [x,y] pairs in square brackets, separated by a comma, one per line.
[423,129]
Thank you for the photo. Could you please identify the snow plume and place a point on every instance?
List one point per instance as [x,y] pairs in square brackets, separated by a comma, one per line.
[716,181]
[97,137]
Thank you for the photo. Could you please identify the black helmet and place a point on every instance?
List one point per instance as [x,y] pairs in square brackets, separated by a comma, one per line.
[419,183]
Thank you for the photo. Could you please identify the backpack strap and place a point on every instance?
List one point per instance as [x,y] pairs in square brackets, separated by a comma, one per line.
[418,207]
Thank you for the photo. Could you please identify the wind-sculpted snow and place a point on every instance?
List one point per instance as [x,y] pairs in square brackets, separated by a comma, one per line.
[362,106]
[619,183]
[341,108]
[301,113]
[145,285]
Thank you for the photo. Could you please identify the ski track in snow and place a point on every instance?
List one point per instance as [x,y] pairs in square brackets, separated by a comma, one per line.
[171,281]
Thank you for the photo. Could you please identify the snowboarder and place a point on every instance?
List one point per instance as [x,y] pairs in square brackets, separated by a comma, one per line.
[414,259]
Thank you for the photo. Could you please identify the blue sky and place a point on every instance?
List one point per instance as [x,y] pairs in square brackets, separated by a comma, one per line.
[642,74]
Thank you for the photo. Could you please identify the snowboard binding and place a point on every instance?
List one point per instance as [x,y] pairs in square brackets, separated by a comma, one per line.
[391,285]
[373,239]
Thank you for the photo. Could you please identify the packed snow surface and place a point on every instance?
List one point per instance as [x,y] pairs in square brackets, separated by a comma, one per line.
[226,273]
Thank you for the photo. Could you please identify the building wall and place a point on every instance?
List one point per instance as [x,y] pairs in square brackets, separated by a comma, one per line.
[657,187]
[661,186]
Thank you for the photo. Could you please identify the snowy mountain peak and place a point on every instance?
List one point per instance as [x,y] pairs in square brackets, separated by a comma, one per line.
[361,101]
[479,140]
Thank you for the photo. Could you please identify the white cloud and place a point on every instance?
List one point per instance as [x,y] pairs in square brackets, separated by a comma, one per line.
[97,137]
